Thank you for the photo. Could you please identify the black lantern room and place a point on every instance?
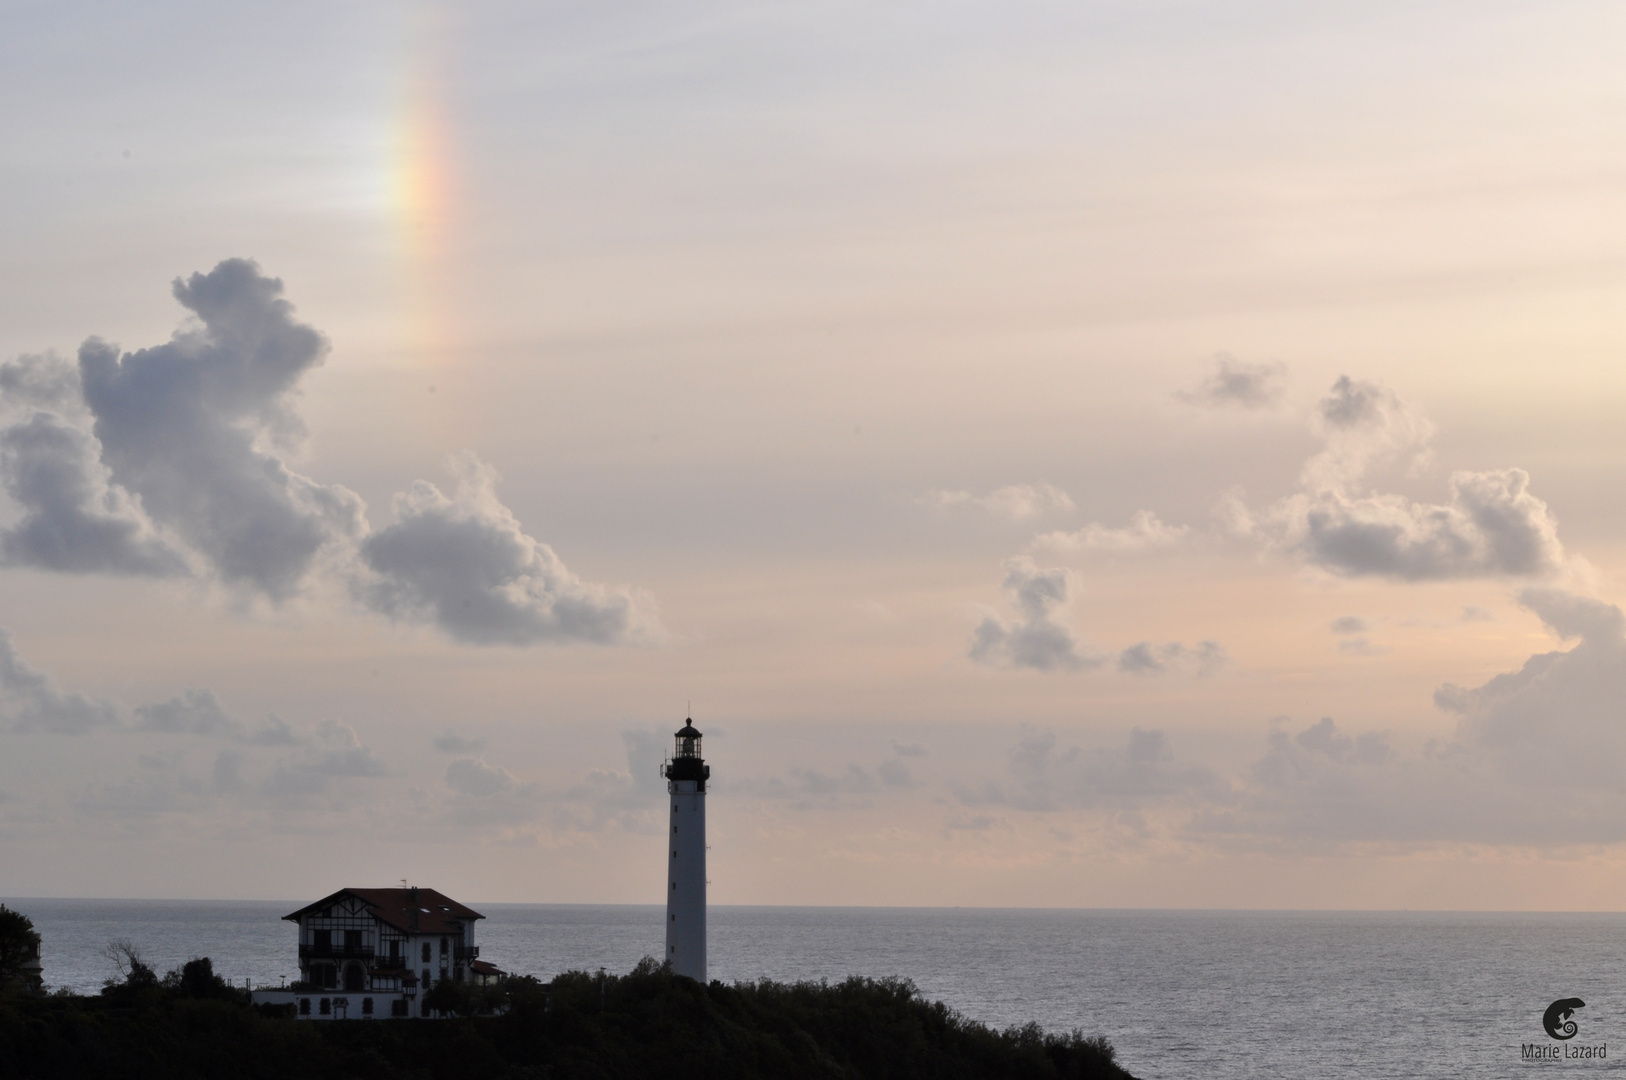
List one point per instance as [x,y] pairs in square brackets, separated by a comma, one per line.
[686,763]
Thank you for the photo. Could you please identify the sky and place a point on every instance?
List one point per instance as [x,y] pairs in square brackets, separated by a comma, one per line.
[1065,455]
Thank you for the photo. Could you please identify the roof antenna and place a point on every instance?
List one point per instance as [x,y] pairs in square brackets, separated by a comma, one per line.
[403,883]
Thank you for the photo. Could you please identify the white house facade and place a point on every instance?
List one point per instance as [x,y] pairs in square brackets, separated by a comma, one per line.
[371,954]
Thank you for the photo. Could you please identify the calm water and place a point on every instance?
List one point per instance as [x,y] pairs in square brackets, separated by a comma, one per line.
[1181,994]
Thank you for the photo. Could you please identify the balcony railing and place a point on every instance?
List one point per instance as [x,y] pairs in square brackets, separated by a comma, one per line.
[465,952]
[335,952]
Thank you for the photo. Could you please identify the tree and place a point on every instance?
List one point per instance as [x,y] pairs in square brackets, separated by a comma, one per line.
[126,959]
[19,950]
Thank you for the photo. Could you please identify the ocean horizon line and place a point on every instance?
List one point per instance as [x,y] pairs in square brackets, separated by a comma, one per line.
[300,902]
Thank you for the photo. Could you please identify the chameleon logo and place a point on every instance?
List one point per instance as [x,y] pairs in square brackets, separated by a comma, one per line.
[1557,1017]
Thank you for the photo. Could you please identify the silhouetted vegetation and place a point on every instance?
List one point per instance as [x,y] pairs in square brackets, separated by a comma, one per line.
[647,1023]
[19,946]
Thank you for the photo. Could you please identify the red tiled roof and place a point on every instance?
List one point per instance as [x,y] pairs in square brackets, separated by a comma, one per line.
[485,967]
[434,913]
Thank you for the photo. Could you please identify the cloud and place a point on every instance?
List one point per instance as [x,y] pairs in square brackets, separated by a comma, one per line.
[1035,639]
[1147,659]
[74,520]
[1491,526]
[453,743]
[195,712]
[894,773]
[1143,533]
[31,701]
[475,778]
[1535,762]
[336,753]
[1015,501]
[1350,624]
[462,563]
[1140,773]
[45,382]
[185,426]
[1236,384]
[1364,427]
[169,461]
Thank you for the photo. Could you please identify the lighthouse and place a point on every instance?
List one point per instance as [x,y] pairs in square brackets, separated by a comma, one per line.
[686,774]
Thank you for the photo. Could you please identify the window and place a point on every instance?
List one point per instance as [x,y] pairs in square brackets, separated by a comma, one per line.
[674,918]
[427,981]
[395,950]
[324,940]
[327,1007]
[304,1006]
[352,941]
[366,1006]
[457,974]
[443,946]
[426,952]
[398,1007]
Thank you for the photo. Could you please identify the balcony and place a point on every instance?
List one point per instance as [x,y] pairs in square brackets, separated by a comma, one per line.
[465,952]
[390,963]
[335,952]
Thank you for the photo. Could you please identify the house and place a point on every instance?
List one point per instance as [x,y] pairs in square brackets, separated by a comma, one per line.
[371,953]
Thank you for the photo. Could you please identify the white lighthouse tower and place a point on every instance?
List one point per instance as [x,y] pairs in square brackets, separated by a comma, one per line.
[686,776]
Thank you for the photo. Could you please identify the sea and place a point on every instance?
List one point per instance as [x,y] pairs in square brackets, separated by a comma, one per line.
[1292,994]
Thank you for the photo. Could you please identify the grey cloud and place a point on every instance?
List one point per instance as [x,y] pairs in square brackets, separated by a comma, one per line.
[1323,737]
[1475,613]
[161,786]
[45,382]
[31,701]
[894,773]
[1349,624]
[1536,760]
[1142,772]
[463,563]
[74,520]
[854,780]
[227,773]
[477,779]
[274,732]
[1352,404]
[908,749]
[178,472]
[1147,659]
[1557,720]
[183,424]
[1237,384]
[336,754]
[1035,639]
[1491,527]
[453,743]
[1364,426]
[1571,616]
[195,712]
